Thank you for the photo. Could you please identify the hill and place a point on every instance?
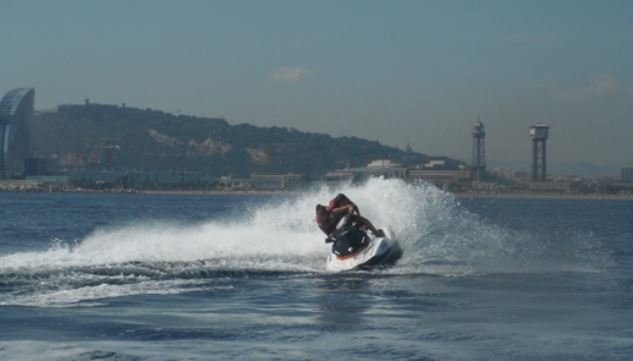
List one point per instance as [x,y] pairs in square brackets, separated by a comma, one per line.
[144,139]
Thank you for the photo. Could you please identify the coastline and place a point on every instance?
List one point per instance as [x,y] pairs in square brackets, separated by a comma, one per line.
[566,196]
[459,195]
[216,193]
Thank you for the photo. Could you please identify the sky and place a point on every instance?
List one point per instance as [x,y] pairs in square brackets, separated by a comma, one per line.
[416,72]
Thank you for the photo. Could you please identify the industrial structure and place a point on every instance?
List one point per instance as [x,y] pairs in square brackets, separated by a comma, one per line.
[539,134]
[626,175]
[478,165]
[16,116]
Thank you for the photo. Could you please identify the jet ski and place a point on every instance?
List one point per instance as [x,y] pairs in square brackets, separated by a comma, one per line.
[357,248]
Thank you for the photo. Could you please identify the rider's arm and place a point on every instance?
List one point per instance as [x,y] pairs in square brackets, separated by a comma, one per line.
[343,210]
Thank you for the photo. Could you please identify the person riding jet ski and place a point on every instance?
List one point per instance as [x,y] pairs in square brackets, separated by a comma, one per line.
[356,243]
[327,217]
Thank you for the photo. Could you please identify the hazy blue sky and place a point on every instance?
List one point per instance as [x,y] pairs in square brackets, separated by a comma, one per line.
[392,71]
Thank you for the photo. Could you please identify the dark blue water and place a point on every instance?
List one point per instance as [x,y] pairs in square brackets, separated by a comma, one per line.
[170,277]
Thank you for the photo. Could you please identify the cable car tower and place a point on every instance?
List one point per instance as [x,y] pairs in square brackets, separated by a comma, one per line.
[478,166]
[539,134]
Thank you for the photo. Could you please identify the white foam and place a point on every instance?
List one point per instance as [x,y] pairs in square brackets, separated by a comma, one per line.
[429,224]
[437,235]
[71,296]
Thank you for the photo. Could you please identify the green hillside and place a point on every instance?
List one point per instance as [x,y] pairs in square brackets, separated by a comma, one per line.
[76,136]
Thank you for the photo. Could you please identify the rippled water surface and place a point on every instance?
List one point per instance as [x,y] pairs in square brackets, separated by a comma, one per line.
[175,277]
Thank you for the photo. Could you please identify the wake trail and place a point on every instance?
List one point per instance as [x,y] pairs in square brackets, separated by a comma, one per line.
[438,237]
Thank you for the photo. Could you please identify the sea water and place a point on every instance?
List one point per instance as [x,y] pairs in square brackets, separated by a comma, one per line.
[184,277]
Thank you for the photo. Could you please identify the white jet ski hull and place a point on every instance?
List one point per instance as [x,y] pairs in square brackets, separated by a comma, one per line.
[379,251]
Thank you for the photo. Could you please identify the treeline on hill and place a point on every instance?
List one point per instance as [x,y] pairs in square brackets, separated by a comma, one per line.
[79,136]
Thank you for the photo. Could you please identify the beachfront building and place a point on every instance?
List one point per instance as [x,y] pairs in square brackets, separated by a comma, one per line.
[549,186]
[448,179]
[16,116]
[275,181]
[385,168]
[435,171]
[376,168]
[137,179]
[338,176]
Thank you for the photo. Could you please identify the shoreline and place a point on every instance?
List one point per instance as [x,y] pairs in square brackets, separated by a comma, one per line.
[520,195]
[217,193]
[458,195]
[565,196]
[461,195]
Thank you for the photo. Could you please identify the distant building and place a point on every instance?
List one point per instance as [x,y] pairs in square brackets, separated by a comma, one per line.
[435,163]
[233,184]
[135,179]
[434,171]
[16,117]
[18,185]
[37,167]
[376,168]
[57,179]
[478,165]
[549,186]
[339,176]
[539,134]
[275,181]
[446,179]
[267,182]
[627,175]
[381,167]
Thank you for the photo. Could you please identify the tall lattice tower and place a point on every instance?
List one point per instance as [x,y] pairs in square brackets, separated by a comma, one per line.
[539,134]
[478,165]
